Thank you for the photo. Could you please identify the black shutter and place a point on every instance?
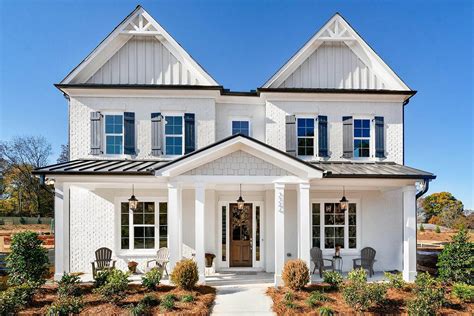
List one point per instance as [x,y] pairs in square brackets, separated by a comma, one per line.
[96,133]
[189,133]
[129,130]
[323,135]
[347,137]
[291,134]
[379,137]
[156,134]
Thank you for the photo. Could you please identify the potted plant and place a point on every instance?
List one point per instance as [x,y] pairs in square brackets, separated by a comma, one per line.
[132,266]
[209,258]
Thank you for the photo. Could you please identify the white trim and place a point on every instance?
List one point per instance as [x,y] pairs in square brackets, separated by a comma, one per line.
[241,119]
[183,132]
[314,117]
[105,134]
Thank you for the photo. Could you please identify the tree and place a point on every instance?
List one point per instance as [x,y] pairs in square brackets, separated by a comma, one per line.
[64,155]
[443,205]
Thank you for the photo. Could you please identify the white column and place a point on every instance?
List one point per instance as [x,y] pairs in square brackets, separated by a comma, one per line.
[409,233]
[199,223]
[279,231]
[174,224]
[304,232]
[61,229]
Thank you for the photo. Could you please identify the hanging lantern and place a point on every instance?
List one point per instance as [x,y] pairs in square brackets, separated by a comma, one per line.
[240,200]
[344,203]
[132,201]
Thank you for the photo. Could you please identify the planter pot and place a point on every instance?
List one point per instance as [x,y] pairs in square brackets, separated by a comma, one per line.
[132,267]
[209,258]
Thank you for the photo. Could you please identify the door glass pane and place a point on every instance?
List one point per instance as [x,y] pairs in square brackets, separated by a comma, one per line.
[224,233]
[163,224]
[257,233]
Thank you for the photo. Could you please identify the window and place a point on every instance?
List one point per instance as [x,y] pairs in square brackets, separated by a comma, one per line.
[137,228]
[361,138]
[224,233]
[114,134]
[174,135]
[333,227]
[305,135]
[257,233]
[241,127]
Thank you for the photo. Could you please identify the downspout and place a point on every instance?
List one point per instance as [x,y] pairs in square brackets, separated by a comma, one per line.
[426,186]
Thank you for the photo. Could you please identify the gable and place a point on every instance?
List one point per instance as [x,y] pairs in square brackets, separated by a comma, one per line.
[238,163]
[336,57]
[139,51]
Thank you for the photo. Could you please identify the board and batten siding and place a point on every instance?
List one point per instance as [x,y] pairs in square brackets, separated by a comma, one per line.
[333,65]
[144,60]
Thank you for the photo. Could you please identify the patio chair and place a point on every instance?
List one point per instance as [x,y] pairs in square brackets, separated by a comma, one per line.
[366,260]
[318,260]
[103,260]
[162,259]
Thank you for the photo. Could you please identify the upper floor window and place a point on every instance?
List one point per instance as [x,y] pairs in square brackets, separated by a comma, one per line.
[361,138]
[305,135]
[241,127]
[114,134]
[174,135]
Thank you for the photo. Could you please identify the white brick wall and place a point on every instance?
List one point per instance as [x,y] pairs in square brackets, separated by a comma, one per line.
[227,112]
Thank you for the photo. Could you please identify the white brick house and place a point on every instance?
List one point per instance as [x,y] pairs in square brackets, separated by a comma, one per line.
[144,116]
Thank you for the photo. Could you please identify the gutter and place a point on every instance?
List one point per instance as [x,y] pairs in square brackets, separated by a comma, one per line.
[426,186]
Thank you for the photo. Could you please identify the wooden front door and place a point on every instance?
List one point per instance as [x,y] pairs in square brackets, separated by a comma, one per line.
[240,235]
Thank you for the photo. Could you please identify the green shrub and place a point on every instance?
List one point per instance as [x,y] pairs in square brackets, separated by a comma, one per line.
[288,299]
[152,279]
[295,274]
[429,296]
[357,275]
[167,302]
[28,260]
[395,280]
[464,292]
[315,298]
[138,310]
[16,297]
[185,274]
[456,261]
[422,228]
[69,285]
[188,298]
[101,277]
[437,229]
[115,286]
[333,278]
[65,306]
[359,294]
[149,300]
[325,311]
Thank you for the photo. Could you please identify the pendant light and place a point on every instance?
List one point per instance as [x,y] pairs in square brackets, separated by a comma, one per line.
[344,203]
[240,200]
[132,201]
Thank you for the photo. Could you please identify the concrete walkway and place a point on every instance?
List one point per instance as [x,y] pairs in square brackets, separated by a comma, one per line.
[241,293]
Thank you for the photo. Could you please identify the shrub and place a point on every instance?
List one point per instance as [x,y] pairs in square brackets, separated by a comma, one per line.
[115,286]
[325,311]
[315,298]
[422,228]
[138,310]
[429,296]
[359,294]
[101,278]
[28,260]
[357,275]
[435,220]
[149,300]
[464,292]
[167,302]
[456,261]
[69,285]
[333,278]
[185,274]
[437,229]
[395,280]
[65,306]
[152,279]
[188,298]
[16,297]
[295,274]
[288,299]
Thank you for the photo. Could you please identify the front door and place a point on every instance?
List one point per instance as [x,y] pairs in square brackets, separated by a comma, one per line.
[240,235]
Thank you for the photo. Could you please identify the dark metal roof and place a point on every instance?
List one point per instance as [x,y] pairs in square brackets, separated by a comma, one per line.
[387,170]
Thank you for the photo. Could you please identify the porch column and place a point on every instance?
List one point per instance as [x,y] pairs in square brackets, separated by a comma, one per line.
[174,224]
[279,231]
[409,233]
[61,229]
[199,223]
[304,232]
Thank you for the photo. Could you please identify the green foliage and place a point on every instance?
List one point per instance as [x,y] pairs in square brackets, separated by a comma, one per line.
[429,296]
[115,286]
[464,292]
[65,306]
[288,299]
[69,285]
[359,294]
[295,274]
[143,307]
[188,298]
[167,302]
[422,228]
[315,298]
[333,278]
[435,204]
[28,260]
[101,278]
[456,261]
[16,297]
[149,300]
[325,311]
[152,279]
[437,229]
[395,280]
[185,274]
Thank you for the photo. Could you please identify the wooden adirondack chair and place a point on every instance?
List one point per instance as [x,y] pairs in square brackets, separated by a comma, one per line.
[366,260]
[162,259]
[318,260]
[103,260]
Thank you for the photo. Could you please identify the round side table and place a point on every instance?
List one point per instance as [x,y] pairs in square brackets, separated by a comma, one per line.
[338,263]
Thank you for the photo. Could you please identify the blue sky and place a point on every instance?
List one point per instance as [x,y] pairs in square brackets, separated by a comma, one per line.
[241,44]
